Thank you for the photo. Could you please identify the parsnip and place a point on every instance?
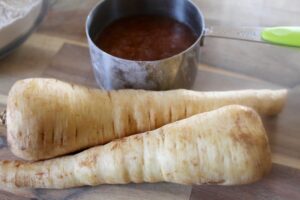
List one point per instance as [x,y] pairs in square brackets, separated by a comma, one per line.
[47,117]
[227,146]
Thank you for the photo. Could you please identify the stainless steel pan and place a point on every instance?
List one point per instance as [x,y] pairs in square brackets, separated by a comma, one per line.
[178,71]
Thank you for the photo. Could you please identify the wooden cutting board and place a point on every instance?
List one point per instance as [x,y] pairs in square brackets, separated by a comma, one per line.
[59,49]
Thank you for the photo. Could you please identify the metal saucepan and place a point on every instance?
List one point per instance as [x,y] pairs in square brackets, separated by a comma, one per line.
[177,71]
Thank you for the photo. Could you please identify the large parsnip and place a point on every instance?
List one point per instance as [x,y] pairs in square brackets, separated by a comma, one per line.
[47,117]
[227,146]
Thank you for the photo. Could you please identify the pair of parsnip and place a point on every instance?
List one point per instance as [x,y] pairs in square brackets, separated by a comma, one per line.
[48,118]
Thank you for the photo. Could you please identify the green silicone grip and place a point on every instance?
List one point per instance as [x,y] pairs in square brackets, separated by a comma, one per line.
[285,35]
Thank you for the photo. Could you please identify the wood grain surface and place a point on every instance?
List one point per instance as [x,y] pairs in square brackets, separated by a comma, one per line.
[59,49]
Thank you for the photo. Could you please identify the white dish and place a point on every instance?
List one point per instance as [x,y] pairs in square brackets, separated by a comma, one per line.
[18,22]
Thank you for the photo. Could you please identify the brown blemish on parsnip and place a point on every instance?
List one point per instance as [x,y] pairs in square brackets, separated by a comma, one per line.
[101,135]
[17,164]
[215,181]
[243,138]
[20,134]
[174,146]
[156,123]
[195,164]
[162,135]
[62,140]
[115,145]
[185,111]
[52,136]
[129,119]
[113,130]
[132,125]
[60,177]
[109,96]
[5,162]
[76,133]
[4,180]
[137,137]
[89,161]
[241,134]
[16,181]
[39,174]
[42,134]
[149,120]
[170,114]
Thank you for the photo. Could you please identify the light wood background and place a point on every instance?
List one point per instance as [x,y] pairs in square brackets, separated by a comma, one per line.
[59,49]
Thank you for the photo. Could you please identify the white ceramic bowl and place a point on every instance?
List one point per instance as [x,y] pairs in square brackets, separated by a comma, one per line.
[12,35]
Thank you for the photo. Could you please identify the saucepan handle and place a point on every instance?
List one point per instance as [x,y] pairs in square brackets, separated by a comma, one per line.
[283,35]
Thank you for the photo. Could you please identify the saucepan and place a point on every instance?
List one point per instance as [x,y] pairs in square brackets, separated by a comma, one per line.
[177,71]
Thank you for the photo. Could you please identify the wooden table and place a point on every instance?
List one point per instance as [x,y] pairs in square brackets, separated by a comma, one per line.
[59,49]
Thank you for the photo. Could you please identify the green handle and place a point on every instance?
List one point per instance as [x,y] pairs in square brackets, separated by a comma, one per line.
[285,35]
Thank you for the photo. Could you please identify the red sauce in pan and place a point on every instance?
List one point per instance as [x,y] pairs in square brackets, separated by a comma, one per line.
[145,37]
